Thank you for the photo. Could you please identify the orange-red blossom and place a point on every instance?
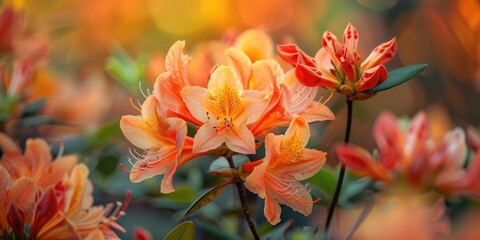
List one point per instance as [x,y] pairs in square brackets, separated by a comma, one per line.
[339,67]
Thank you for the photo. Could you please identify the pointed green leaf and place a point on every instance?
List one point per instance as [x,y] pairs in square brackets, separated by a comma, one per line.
[207,198]
[183,231]
[399,76]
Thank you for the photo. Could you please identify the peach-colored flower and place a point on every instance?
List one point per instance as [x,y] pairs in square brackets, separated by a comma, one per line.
[225,109]
[169,84]
[287,161]
[410,155]
[163,139]
[339,67]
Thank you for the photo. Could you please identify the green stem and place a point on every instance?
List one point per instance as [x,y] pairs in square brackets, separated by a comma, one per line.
[341,176]
[241,193]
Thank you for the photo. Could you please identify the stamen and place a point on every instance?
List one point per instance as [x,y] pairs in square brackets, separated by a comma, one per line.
[61,148]
[133,104]
[141,90]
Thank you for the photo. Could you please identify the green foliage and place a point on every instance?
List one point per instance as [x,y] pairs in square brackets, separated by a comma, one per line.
[206,198]
[399,76]
[126,71]
[183,231]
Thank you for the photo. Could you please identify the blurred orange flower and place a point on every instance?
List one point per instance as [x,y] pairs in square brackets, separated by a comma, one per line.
[410,155]
[276,177]
[53,197]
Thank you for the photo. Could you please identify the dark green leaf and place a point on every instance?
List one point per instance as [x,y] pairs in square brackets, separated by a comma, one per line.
[33,108]
[399,76]
[353,188]
[207,198]
[219,233]
[35,121]
[183,195]
[183,231]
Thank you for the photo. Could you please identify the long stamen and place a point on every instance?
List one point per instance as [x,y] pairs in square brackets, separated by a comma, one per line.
[133,104]
[141,90]
[61,149]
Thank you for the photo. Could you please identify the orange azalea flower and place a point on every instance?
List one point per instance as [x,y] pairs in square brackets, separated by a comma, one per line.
[288,97]
[226,109]
[339,67]
[411,155]
[66,210]
[287,161]
[169,84]
[164,140]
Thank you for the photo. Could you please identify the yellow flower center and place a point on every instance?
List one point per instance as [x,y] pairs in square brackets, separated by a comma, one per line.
[225,104]
[291,150]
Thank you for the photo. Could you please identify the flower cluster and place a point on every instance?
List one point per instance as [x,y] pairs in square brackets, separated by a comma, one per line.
[53,198]
[408,156]
[232,109]
[339,67]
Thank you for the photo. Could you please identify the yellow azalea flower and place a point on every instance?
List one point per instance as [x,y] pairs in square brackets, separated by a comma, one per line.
[225,109]
[164,140]
[286,162]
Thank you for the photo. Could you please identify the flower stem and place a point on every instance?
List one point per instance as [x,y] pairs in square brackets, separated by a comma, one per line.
[341,176]
[241,193]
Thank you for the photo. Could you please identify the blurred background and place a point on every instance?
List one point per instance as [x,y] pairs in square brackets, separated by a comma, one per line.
[75,100]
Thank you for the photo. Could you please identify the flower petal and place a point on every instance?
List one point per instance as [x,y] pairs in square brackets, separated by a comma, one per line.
[289,53]
[371,78]
[240,62]
[312,77]
[132,129]
[240,139]
[272,210]
[360,161]
[177,63]
[256,102]
[207,138]
[350,38]
[317,112]
[195,99]
[381,54]
[333,47]
[389,139]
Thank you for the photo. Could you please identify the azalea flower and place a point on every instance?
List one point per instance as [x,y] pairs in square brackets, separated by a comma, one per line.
[276,177]
[339,67]
[409,155]
[163,139]
[66,210]
[225,109]
[53,198]
[288,99]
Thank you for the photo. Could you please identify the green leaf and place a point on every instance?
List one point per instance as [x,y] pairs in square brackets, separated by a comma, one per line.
[399,76]
[206,198]
[33,108]
[326,180]
[127,71]
[183,231]
[35,121]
